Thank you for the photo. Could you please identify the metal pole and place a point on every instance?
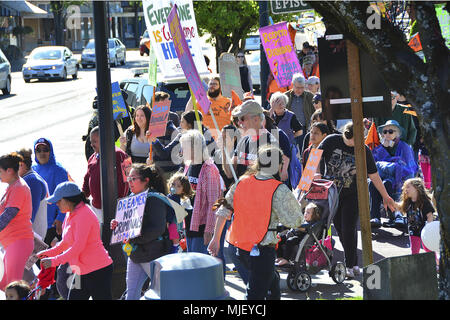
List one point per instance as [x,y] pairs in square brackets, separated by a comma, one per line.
[264,73]
[354,78]
[108,174]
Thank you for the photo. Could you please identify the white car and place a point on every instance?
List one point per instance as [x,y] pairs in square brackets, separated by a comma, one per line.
[50,62]
[117,53]
[5,74]
[254,62]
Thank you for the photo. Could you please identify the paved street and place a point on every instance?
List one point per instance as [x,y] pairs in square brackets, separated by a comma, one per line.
[60,111]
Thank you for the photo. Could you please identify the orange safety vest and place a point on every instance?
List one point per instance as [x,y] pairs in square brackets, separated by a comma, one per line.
[252,211]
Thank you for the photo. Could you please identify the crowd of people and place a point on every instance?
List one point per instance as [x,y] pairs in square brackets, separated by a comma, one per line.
[233,170]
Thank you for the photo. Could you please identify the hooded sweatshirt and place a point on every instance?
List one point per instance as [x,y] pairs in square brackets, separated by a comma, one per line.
[53,173]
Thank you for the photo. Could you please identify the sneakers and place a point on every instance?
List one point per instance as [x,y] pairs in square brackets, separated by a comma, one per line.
[375,223]
[356,270]
[349,273]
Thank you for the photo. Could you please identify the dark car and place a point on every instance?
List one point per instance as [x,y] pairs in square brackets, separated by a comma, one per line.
[140,92]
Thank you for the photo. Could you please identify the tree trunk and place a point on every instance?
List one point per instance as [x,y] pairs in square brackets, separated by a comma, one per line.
[136,25]
[425,85]
[222,45]
[57,9]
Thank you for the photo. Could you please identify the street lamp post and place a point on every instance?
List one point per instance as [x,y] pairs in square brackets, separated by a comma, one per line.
[108,174]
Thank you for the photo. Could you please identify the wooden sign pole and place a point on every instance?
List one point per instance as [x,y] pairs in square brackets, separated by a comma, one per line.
[354,78]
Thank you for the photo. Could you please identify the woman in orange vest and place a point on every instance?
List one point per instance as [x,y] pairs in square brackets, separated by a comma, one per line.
[259,201]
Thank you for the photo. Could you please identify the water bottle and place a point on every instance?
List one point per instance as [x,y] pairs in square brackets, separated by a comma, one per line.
[255,251]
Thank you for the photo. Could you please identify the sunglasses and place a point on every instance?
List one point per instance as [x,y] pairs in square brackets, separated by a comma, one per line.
[390,131]
[42,150]
[316,102]
[132,179]
[240,56]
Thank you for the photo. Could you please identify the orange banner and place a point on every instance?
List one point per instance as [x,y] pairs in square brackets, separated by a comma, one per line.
[415,43]
[310,169]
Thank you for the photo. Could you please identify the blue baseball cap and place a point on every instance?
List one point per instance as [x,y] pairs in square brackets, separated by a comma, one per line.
[64,190]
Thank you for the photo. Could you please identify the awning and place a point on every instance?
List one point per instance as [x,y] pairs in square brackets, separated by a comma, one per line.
[22,7]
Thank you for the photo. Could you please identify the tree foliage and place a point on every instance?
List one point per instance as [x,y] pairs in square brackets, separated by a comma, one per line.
[425,85]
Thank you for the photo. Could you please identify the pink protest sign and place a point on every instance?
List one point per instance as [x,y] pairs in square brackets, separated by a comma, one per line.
[158,121]
[186,61]
[280,53]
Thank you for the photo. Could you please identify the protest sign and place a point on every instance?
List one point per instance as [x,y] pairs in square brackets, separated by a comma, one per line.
[118,103]
[310,169]
[155,14]
[186,61]
[230,77]
[158,121]
[129,215]
[281,54]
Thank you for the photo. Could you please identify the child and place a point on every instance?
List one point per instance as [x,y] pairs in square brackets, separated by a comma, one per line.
[293,237]
[17,290]
[415,203]
[180,192]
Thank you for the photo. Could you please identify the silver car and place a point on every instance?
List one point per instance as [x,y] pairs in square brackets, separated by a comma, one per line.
[5,74]
[53,62]
[117,53]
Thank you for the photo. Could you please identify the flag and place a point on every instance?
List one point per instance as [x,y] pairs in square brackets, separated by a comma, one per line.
[372,139]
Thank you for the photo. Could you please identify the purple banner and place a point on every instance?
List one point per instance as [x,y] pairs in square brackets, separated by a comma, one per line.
[186,61]
[280,53]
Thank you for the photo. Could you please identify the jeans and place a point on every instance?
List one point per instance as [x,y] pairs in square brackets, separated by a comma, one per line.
[241,269]
[196,244]
[262,274]
[96,284]
[137,273]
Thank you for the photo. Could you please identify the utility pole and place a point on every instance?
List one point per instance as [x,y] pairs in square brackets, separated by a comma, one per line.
[108,174]
[354,79]
[264,71]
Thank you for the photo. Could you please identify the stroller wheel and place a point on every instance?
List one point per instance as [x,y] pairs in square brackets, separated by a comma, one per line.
[338,272]
[302,281]
[290,281]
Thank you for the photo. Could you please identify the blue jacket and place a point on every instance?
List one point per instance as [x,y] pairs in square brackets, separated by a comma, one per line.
[53,173]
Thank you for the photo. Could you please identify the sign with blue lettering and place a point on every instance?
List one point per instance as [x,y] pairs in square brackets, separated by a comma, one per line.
[129,215]
[155,14]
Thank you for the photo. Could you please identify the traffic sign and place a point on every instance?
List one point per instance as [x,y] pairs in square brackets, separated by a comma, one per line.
[290,6]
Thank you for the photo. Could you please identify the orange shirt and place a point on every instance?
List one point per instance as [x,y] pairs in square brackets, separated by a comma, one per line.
[273,87]
[221,108]
[18,195]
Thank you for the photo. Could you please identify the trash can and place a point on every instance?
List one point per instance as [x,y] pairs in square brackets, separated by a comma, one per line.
[186,276]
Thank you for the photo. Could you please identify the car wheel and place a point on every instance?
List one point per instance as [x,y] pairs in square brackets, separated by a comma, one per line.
[64,75]
[84,66]
[75,75]
[26,80]
[7,90]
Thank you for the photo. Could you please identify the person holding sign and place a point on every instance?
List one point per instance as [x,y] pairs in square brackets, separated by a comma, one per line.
[338,164]
[153,241]
[81,246]
[134,143]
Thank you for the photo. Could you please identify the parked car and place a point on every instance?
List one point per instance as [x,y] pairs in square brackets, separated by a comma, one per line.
[254,62]
[143,49]
[5,74]
[50,62]
[117,53]
[140,92]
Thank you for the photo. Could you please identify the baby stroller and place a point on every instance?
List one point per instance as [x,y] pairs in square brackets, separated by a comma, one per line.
[315,250]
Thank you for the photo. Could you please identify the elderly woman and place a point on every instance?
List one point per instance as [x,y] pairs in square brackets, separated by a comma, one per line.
[284,119]
[205,180]
[395,163]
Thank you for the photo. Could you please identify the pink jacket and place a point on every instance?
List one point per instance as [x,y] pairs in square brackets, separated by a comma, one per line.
[81,245]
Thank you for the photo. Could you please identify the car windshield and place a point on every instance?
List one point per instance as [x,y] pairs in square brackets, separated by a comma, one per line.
[47,55]
[145,35]
[111,43]
[90,45]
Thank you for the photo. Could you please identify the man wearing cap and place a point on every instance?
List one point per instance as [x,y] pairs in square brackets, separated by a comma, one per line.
[313,84]
[251,118]
[53,173]
[405,120]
